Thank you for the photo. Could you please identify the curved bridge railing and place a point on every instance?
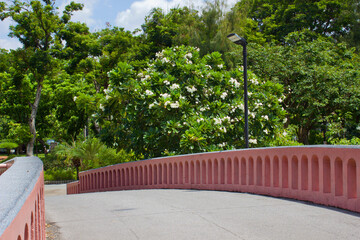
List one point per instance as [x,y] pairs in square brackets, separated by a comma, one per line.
[22,213]
[325,175]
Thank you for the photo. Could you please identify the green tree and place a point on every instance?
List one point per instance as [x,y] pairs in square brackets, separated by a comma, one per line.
[36,25]
[182,103]
[5,60]
[276,19]
[8,146]
[320,78]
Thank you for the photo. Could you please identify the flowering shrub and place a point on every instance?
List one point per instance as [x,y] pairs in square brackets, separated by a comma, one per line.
[182,103]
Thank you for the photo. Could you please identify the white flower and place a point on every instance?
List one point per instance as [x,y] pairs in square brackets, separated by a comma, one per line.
[217,120]
[227,118]
[75,97]
[223,129]
[149,93]
[241,106]
[254,141]
[191,89]
[165,95]
[145,78]
[102,108]
[266,131]
[174,86]
[222,144]
[174,105]
[223,95]
[159,54]
[188,55]
[284,133]
[166,103]
[151,105]
[202,109]
[234,82]
[266,117]
[165,60]
[199,120]
[208,66]
[220,66]
[254,81]
[166,82]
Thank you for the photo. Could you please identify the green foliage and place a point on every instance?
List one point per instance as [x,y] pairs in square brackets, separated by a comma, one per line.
[321,80]
[59,174]
[51,160]
[276,19]
[19,133]
[286,138]
[8,145]
[73,100]
[342,141]
[36,27]
[185,99]
[90,154]
[183,103]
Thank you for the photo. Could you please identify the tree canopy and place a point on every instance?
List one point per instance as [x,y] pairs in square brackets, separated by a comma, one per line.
[175,86]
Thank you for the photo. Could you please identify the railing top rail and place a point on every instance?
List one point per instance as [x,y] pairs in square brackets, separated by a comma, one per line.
[247,149]
[15,186]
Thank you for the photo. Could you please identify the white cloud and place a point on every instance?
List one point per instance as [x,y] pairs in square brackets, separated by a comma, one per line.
[4,26]
[5,41]
[85,15]
[133,17]
[9,43]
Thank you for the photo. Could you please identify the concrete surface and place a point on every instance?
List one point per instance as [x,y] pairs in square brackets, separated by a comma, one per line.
[191,214]
[55,190]
[17,186]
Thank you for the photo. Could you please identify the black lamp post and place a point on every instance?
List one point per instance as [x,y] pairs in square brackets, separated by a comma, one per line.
[241,41]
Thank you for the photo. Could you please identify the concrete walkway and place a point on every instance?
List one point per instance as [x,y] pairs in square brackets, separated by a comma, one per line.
[191,214]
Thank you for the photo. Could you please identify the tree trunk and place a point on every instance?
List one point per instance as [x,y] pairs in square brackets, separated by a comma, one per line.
[44,145]
[34,108]
[303,135]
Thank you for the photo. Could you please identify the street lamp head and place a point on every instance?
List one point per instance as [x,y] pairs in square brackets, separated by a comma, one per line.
[236,39]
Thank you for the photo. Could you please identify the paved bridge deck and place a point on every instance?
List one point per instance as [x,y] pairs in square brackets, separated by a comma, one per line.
[192,214]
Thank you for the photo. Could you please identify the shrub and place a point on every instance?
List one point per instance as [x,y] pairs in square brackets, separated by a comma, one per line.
[185,103]
[59,174]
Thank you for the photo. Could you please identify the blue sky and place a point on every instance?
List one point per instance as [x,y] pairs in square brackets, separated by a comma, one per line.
[129,14]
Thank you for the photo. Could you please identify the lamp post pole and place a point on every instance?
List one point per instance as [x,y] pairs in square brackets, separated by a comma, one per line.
[241,41]
[246,130]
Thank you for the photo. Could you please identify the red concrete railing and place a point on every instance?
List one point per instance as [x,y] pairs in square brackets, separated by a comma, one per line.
[4,167]
[22,207]
[322,174]
[72,188]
